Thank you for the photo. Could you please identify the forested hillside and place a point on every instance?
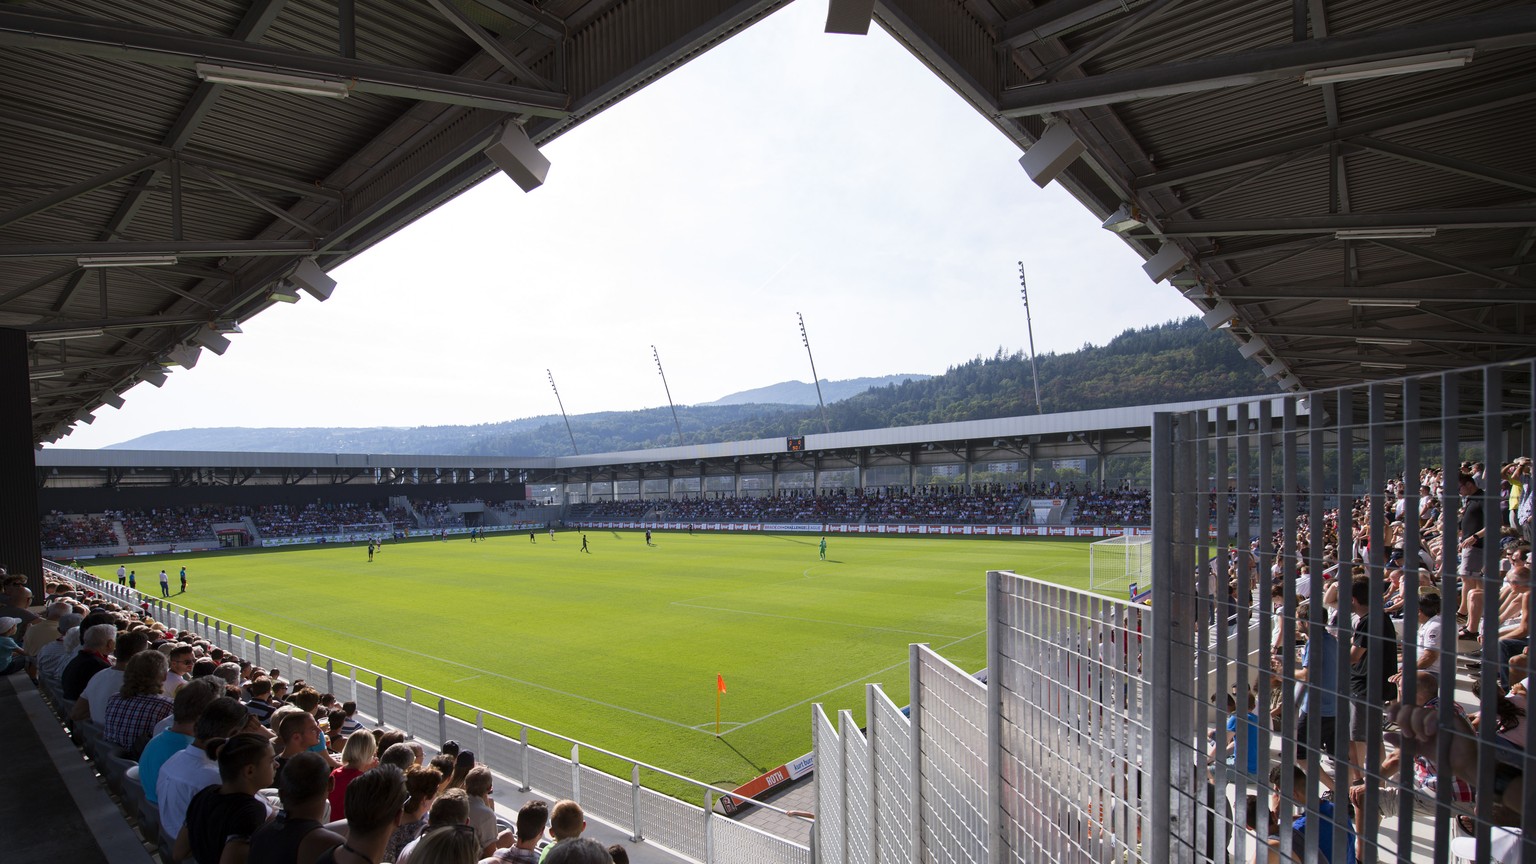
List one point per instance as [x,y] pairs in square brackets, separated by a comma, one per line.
[1172,362]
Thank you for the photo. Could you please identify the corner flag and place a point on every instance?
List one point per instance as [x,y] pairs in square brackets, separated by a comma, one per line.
[719,688]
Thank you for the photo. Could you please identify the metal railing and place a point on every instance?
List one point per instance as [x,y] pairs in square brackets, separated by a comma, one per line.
[695,831]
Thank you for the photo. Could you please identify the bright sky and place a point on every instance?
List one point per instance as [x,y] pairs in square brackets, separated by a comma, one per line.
[785,171]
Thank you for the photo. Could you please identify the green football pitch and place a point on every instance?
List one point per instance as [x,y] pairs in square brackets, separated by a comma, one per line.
[620,648]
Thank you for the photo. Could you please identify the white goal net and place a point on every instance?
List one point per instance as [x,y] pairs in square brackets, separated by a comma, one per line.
[1117,563]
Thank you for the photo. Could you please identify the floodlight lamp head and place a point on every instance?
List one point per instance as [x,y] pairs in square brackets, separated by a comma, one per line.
[113,399]
[211,339]
[1124,220]
[284,293]
[184,356]
[313,280]
[154,376]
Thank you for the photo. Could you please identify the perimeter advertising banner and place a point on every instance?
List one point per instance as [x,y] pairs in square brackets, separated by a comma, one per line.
[848,528]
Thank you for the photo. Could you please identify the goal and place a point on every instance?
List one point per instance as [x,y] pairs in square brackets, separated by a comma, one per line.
[1117,562]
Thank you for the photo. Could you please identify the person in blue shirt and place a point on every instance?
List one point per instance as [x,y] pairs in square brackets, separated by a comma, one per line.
[12,658]
[1325,819]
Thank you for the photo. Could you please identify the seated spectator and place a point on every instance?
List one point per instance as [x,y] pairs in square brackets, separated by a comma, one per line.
[191,770]
[96,647]
[139,705]
[190,703]
[13,658]
[577,850]
[374,804]
[566,821]
[41,633]
[296,731]
[53,657]
[451,808]
[531,819]
[260,704]
[403,757]
[451,845]
[180,660]
[421,790]
[92,704]
[478,785]
[297,835]
[356,759]
[463,763]
[221,819]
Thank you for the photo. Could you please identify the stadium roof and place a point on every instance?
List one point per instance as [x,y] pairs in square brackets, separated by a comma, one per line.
[1343,187]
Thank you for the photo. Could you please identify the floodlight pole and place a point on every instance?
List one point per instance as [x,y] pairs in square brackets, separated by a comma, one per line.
[1029,322]
[814,378]
[561,403]
[664,386]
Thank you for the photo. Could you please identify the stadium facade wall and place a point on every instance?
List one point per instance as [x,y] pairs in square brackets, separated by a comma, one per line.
[1088,740]
[102,499]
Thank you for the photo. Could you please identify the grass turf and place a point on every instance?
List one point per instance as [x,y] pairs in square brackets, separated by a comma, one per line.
[620,648]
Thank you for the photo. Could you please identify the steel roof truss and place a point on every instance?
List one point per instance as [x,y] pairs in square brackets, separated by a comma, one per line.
[1107,40]
[1427,336]
[1523,182]
[489,43]
[1455,263]
[1475,100]
[258,201]
[1499,29]
[118,40]
[1472,217]
[186,249]
[84,187]
[1051,18]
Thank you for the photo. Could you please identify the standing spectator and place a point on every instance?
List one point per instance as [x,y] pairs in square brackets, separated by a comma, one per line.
[1374,645]
[165,583]
[1473,526]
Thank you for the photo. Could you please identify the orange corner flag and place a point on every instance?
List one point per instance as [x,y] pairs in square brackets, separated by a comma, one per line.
[720,682]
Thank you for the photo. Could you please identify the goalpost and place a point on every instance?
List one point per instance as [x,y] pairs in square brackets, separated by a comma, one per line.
[1116,562]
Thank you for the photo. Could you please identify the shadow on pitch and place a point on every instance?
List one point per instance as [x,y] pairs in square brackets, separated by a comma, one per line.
[795,540]
[755,767]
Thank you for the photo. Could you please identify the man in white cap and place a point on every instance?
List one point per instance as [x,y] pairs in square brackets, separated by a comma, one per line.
[12,658]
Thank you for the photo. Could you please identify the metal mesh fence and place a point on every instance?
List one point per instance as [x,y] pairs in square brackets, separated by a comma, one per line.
[673,824]
[1073,724]
[606,794]
[890,739]
[859,825]
[830,808]
[743,844]
[951,709]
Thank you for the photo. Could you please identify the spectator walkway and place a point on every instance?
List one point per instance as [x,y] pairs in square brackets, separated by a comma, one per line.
[54,805]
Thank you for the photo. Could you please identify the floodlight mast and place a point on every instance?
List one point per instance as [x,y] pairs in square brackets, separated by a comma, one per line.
[814,378]
[664,386]
[1029,322]
[561,403]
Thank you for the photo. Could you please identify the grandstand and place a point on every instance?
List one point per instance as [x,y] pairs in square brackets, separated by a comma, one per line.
[1342,189]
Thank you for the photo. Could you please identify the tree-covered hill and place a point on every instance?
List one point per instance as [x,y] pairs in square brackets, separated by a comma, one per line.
[1172,362]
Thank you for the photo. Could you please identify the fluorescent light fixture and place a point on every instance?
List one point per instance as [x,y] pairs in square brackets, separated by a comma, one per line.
[1383,340]
[1393,66]
[45,374]
[1390,367]
[94,261]
[1384,233]
[1385,304]
[1124,220]
[154,376]
[261,79]
[284,293]
[61,335]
